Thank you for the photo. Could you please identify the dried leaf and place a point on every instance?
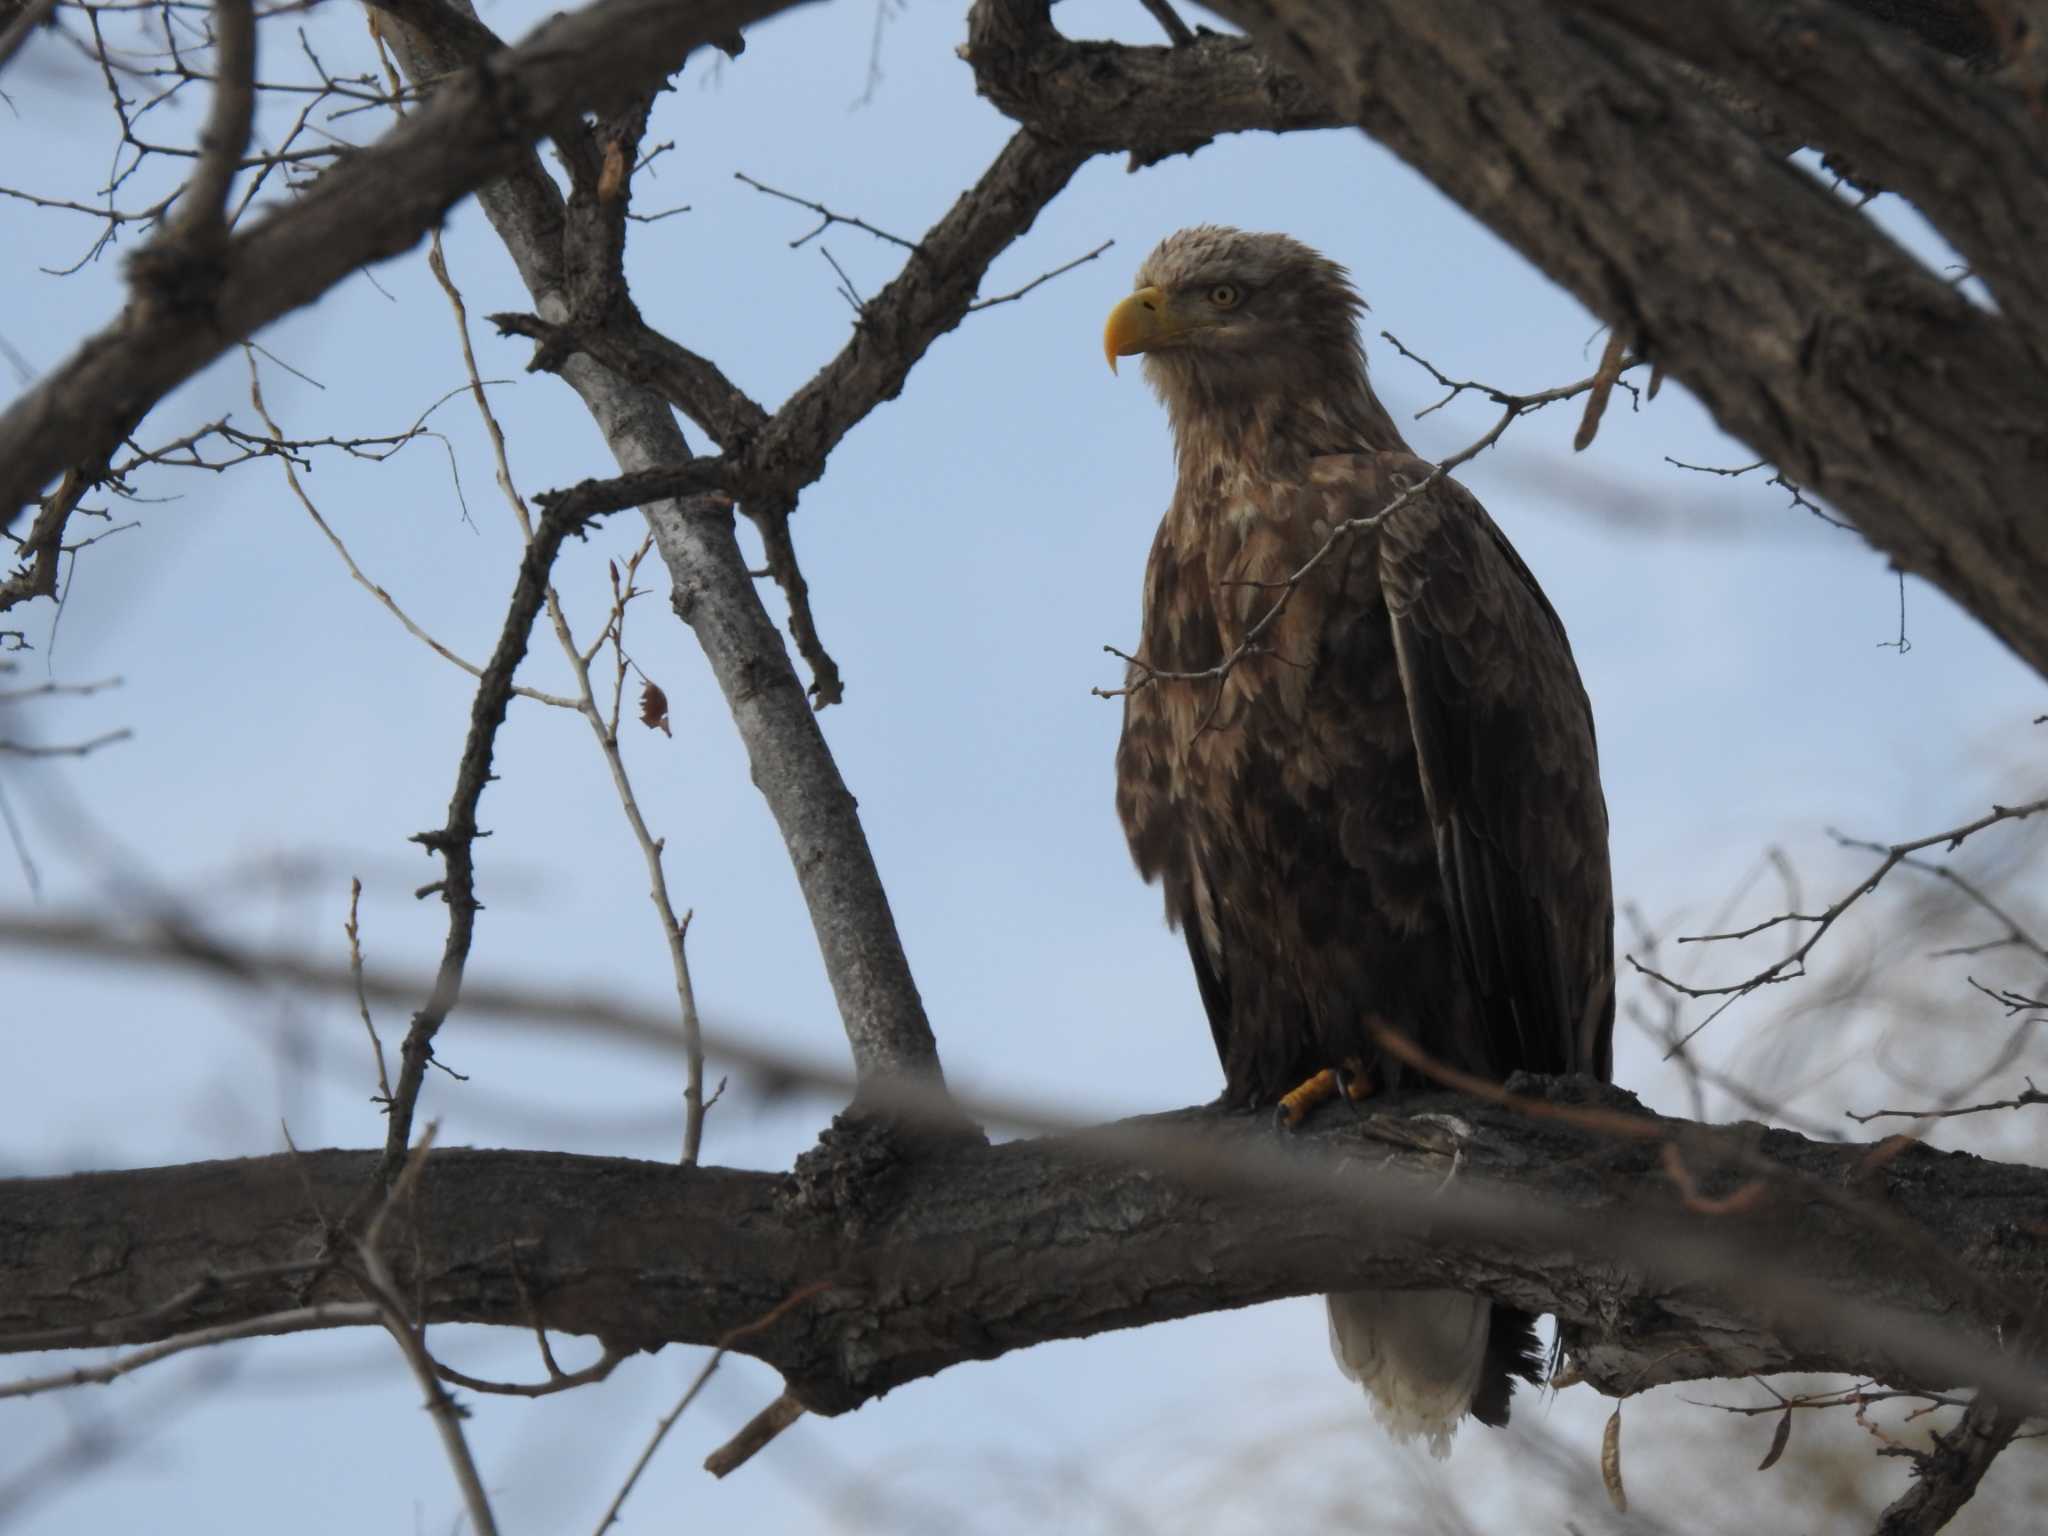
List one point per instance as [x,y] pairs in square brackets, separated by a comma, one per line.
[654,709]
[1780,1438]
[611,179]
[1610,1462]
[1603,386]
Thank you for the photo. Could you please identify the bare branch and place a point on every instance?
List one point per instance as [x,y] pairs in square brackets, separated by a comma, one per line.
[455,842]
[411,1337]
[1793,965]
[827,217]
[1944,1481]
[1173,1215]
[2030,1095]
[70,749]
[754,1436]
[1043,277]
[199,225]
[766,1320]
[336,1314]
[377,203]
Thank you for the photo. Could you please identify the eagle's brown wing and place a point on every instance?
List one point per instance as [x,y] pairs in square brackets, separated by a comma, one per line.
[1510,774]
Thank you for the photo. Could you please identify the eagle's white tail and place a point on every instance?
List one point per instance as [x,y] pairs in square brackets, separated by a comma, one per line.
[1418,1354]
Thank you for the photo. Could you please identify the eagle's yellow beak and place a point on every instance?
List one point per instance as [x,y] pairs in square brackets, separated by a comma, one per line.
[1137,324]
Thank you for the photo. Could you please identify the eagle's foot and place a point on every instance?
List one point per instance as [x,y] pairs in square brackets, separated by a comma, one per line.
[1295,1105]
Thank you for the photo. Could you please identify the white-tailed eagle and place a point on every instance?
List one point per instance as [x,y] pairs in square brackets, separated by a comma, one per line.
[1387,814]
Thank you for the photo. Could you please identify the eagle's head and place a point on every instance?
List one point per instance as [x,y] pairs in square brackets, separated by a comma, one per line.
[1227,319]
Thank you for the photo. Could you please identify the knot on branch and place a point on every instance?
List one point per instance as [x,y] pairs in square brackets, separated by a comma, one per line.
[846,1178]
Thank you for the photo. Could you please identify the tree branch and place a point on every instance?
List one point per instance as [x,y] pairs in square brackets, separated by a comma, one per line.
[1945,1479]
[376,203]
[863,954]
[976,1251]
[1739,274]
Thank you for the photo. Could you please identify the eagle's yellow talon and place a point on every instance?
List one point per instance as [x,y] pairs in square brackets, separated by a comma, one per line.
[1295,1105]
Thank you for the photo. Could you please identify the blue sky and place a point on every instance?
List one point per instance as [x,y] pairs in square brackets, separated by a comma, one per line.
[972,548]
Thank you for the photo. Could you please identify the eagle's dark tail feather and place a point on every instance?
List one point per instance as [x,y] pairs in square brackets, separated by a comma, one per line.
[1511,1352]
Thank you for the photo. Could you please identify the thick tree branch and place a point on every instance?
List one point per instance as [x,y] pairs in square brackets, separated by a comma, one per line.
[1967,150]
[1803,328]
[1151,102]
[980,1250]
[864,960]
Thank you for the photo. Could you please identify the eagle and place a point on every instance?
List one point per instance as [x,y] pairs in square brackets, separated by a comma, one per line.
[1370,792]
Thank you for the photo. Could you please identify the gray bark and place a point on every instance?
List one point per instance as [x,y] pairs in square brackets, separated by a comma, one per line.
[974,1251]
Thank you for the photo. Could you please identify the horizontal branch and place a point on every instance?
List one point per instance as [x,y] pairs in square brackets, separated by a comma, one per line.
[974,1251]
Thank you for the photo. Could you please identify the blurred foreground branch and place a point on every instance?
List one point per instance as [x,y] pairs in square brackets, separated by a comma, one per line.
[971,1251]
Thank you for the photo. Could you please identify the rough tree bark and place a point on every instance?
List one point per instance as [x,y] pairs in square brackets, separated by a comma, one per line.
[1910,1268]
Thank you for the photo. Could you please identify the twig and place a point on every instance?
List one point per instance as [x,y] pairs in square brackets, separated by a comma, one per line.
[355,970]
[558,1380]
[55,690]
[332,1314]
[455,841]
[1791,488]
[1945,1479]
[1793,965]
[1045,277]
[411,1339]
[390,604]
[2031,1095]
[70,749]
[826,215]
[746,1330]
[1176,30]
[754,1436]
[605,730]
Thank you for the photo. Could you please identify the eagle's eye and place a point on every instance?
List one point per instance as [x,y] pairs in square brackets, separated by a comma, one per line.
[1225,295]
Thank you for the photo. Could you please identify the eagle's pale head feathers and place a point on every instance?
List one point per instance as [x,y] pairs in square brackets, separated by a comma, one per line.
[1236,326]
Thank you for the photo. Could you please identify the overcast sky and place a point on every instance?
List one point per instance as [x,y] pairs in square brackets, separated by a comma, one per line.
[971,550]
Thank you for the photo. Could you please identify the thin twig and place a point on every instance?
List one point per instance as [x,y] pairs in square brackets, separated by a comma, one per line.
[355,969]
[10,748]
[332,1314]
[828,217]
[606,731]
[411,1339]
[355,571]
[1793,965]
[1043,277]
[754,1435]
[746,1330]
[2031,1095]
